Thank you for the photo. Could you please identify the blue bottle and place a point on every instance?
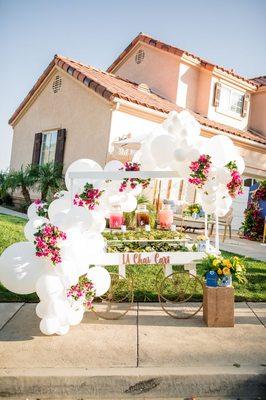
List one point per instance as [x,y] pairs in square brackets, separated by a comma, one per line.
[212,279]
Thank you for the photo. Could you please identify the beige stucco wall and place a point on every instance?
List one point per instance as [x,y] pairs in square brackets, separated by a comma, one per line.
[257,120]
[159,70]
[203,91]
[85,115]
[214,114]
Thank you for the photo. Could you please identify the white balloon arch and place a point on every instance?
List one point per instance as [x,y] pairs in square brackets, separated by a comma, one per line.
[74,232]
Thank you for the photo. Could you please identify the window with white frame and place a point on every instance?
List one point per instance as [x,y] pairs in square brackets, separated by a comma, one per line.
[48,147]
[231,101]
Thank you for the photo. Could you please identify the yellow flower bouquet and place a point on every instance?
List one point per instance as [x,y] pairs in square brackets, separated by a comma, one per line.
[225,268]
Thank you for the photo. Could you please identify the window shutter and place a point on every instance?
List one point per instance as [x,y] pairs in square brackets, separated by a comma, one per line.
[217,94]
[245,105]
[60,146]
[37,148]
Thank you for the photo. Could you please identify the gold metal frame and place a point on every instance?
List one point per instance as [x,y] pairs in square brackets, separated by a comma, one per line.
[108,298]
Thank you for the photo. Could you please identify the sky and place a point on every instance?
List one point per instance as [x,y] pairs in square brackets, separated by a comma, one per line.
[228,33]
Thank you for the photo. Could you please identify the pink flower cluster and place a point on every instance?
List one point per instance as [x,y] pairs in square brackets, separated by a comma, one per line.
[89,197]
[41,208]
[83,290]
[235,186]
[200,170]
[133,182]
[46,242]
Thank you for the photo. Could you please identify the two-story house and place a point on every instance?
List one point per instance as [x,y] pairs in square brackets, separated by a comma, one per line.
[78,111]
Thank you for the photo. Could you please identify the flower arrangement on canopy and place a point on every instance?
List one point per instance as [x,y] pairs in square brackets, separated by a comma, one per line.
[55,261]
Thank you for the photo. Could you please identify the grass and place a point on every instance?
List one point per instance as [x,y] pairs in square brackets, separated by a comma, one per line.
[144,277]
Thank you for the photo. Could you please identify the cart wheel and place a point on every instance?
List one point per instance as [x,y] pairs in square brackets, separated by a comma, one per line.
[175,291]
[117,301]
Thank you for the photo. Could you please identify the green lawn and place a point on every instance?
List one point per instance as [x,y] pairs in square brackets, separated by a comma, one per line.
[144,277]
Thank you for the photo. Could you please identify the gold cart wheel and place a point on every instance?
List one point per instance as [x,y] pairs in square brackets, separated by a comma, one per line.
[175,291]
[117,301]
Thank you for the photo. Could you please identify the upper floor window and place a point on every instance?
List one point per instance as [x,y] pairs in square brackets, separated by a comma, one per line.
[48,147]
[231,100]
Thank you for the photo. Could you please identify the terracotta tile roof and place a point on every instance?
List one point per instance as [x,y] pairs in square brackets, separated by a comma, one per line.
[110,87]
[173,50]
[260,80]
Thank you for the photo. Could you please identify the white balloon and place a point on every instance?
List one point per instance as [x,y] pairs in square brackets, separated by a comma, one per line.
[49,326]
[76,218]
[162,150]
[58,206]
[63,194]
[32,211]
[20,268]
[130,204]
[45,309]
[82,165]
[210,187]
[32,226]
[75,316]
[224,202]
[63,330]
[180,154]
[100,278]
[240,163]
[221,149]
[49,285]
[223,175]
[114,165]
[98,221]
[208,198]
[209,208]
[136,191]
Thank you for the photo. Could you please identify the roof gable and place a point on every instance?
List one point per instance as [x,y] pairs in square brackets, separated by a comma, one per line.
[110,87]
[176,51]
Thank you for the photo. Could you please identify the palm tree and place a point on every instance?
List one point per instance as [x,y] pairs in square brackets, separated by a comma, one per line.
[4,187]
[49,178]
[24,180]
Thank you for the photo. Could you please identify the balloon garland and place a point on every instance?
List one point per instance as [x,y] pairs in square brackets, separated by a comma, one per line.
[62,238]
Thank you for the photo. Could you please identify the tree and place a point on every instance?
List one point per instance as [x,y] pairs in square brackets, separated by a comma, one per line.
[23,179]
[49,178]
[5,197]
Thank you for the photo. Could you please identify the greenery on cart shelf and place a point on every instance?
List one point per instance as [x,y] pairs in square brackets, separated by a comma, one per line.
[116,241]
[144,276]
[225,266]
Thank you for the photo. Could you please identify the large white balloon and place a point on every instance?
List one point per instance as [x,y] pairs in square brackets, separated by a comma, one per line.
[75,316]
[98,221]
[100,278]
[32,211]
[32,226]
[20,268]
[162,150]
[224,202]
[49,326]
[240,163]
[49,285]
[59,206]
[221,149]
[114,165]
[130,203]
[76,218]
[82,165]
[223,175]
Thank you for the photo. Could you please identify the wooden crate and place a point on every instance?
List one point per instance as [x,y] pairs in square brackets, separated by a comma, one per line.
[218,306]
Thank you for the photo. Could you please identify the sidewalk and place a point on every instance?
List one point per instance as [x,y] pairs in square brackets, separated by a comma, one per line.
[8,211]
[147,354]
